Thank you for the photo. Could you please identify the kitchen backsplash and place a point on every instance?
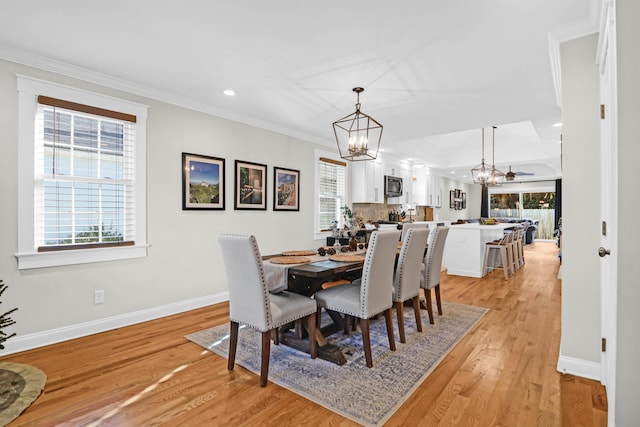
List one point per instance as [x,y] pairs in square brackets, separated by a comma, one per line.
[377,212]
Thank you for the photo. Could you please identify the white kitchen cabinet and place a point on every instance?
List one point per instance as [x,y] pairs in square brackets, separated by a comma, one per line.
[419,188]
[367,182]
[427,189]
[407,184]
[435,191]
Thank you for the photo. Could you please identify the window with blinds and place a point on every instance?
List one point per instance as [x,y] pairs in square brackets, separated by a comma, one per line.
[331,181]
[84,176]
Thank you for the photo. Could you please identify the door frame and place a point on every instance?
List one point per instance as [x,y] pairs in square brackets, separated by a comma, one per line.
[607,63]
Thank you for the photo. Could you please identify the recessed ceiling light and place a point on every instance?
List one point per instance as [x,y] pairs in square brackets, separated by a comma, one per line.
[229,92]
[453,171]
[557,125]
[559,141]
[464,176]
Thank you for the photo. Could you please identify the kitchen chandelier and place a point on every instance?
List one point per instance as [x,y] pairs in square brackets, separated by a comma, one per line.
[479,173]
[484,175]
[358,135]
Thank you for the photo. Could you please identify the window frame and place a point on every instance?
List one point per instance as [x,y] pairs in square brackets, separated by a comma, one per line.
[28,256]
[319,235]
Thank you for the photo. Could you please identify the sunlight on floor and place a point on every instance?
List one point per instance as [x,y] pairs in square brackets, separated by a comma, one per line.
[137,397]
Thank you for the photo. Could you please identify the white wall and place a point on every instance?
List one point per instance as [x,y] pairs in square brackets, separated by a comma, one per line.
[184,268]
[474,196]
[627,411]
[580,341]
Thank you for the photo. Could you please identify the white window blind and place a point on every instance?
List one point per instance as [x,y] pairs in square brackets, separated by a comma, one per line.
[331,181]
[84,176]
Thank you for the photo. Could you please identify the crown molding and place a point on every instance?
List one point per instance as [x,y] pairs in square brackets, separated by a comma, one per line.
[12,54]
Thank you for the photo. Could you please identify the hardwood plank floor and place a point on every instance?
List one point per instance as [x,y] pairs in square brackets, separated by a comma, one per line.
[502,373]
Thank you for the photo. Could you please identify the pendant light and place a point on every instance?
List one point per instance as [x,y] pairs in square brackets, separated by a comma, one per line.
[496,177]
[480,172]
[358,135]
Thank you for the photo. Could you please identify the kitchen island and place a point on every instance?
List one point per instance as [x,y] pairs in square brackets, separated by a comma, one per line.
[464,250]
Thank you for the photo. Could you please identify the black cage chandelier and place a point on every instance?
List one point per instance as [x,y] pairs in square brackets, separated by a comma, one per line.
[358,135]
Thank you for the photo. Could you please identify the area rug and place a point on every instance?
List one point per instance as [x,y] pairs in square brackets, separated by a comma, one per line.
[20,385]
[368,396]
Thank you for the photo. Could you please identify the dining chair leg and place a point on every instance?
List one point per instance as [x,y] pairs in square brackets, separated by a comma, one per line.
[313,342]
[275,336]
[400,315]
[319,318]
[438,300]
[388,317]
[233,344]
[416,312]
[264,365]
[366,342]
[427,296]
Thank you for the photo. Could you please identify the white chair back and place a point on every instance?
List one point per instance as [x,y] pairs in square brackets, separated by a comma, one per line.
[248,293]
[410,225]
[433,258]
[377,273]
[407,279]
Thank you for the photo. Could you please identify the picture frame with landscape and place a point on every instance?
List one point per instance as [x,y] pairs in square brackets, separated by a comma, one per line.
[203,182]
[286,189]
[250,186]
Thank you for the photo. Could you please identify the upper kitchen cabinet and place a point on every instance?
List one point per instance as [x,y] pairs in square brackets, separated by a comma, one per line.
[427,188]
[434,191]
[419,188]
[367,182]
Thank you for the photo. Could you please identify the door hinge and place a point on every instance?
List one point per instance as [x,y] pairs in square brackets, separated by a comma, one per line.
[602,111]
[604,344]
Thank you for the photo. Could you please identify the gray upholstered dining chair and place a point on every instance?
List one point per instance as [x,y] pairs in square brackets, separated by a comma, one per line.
[406,284]
[409,225]
[432,267]
[251,303]
[371,294]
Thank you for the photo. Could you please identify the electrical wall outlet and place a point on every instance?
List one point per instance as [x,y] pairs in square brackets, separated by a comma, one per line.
[98,297]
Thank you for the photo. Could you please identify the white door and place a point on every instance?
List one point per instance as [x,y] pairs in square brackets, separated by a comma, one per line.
[609,202]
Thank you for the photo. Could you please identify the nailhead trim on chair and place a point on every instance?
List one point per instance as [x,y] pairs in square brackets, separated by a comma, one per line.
[265,297]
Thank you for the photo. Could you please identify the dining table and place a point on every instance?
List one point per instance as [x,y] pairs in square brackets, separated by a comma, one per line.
[306,278]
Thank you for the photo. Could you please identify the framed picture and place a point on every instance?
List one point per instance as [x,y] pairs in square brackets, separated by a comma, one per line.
[250,186]
[202,182]
[464,200]
[452,199]
[286,189]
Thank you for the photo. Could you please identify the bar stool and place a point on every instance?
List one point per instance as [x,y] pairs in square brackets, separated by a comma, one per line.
[503,248]
[518,248]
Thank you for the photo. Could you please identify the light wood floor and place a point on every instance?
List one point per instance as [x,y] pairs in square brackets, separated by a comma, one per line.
[502,373]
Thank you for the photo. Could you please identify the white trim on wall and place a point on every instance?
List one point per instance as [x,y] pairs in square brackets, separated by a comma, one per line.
[579,367]
[52,336]
[29,89]
[14,55]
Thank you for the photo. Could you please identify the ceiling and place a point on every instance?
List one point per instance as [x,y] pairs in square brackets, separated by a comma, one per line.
[434,72]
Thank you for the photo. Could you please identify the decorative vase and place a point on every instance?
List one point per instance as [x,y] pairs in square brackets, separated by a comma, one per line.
[353,244]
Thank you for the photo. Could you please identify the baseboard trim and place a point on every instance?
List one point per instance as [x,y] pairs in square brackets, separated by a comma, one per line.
[53,336]
[579,367]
